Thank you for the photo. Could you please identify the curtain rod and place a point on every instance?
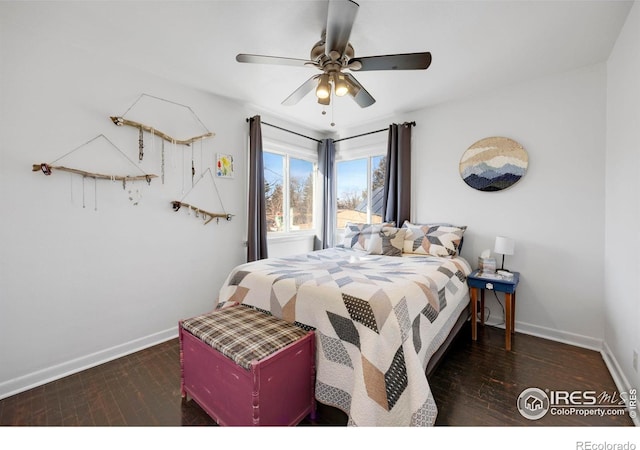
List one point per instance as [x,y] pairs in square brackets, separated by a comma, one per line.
[372,132]
[337,140]
[288,131]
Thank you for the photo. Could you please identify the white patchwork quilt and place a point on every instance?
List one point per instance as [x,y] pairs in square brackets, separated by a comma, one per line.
[378,321]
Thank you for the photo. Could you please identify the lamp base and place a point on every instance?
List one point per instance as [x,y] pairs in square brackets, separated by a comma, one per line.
[502,267]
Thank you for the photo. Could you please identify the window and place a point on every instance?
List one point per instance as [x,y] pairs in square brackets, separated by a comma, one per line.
[360,190]
[289,192]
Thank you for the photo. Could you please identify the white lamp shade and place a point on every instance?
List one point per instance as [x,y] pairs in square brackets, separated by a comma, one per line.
[504,245]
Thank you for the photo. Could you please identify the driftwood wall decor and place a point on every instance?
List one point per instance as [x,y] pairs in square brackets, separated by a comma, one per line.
[121,120]
[49,168]
[199,211]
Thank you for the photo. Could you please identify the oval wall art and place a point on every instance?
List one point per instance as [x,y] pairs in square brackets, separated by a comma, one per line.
[493,164]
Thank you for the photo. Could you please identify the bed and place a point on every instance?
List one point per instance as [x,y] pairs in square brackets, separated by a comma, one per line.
[379,319]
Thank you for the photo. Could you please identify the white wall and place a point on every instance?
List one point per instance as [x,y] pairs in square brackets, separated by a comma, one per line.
[622,250]
[80,286]
[555,213]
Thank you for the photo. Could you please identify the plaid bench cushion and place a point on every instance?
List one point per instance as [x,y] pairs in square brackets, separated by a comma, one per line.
[243,334]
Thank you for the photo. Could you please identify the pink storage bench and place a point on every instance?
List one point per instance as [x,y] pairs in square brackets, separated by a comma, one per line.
[248,368]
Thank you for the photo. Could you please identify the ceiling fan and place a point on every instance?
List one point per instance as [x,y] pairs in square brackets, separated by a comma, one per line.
[333,55]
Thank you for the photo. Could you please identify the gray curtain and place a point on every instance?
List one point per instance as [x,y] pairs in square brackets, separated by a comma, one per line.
[326,169]
[397,178]
[257,230]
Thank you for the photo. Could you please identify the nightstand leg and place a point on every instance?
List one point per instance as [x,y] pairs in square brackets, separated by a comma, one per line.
[508,320]
[513,315]
[474,313]
[482,307]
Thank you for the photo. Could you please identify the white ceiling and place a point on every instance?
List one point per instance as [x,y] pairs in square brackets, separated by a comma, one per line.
[476,46]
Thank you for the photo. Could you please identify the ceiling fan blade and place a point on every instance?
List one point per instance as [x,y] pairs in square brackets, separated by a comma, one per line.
[340,18]
[261,59]
[302,91]
[360,94]
[406,61]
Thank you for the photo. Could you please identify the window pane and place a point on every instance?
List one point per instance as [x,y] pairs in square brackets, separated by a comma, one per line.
[351,183]
[273,180]
[300,194]
[378,169]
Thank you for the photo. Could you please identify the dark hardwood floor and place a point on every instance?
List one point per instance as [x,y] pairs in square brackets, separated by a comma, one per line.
[477,384]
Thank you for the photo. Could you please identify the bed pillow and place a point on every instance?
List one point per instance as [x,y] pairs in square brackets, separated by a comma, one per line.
[433,239]
[388,241]
[357,236]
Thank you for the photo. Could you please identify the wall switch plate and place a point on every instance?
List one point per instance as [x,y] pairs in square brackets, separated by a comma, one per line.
[635,360]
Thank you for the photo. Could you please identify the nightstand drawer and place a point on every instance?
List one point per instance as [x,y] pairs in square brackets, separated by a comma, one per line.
[494,285]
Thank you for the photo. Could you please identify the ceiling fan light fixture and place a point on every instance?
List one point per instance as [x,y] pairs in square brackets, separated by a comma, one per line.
[324,101]
[353,88]
[333,53]
[324,87]
[340,85]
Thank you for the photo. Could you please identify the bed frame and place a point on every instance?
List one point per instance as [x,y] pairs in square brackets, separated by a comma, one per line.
[437,357]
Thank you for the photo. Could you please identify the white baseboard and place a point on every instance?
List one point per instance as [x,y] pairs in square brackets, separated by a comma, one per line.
[565,337]
[621,381]
[560,336]
[40,377]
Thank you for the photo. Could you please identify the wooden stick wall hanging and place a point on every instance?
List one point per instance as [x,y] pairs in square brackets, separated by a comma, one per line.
[49,168]
[120,121]
[199,212]
[142,128]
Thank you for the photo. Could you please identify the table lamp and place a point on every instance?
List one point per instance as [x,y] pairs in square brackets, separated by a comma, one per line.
[504,246]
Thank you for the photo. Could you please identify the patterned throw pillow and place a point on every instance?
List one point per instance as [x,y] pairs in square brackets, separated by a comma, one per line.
[388,241]
[432,239]
[358,235]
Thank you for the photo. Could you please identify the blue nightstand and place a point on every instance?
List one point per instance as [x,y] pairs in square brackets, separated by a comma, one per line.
[478,282]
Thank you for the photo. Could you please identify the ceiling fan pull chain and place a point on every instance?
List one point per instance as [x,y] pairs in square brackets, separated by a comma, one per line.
[333,124]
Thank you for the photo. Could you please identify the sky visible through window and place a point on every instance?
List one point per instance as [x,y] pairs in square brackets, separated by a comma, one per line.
[351,175]
[273,169]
